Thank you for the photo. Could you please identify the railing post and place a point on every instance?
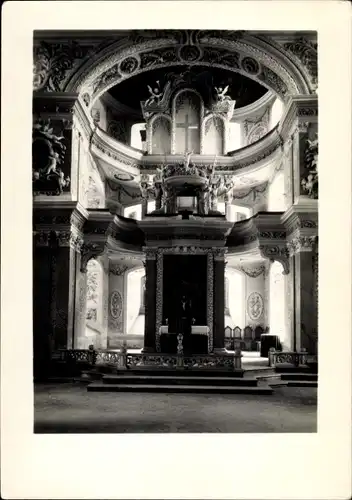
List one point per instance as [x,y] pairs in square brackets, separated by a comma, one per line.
[92,355]
[303,356]
[237,360]
[122,361]
[272,357]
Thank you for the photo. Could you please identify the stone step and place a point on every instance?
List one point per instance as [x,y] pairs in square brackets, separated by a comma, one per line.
[176,380]
[210,372]
[299,376]
[301,383]
[195,389]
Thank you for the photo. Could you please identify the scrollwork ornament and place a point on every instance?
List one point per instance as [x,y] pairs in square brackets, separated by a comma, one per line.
[276,253]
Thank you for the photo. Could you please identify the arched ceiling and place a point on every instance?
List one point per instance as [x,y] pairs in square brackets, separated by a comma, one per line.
[204,79]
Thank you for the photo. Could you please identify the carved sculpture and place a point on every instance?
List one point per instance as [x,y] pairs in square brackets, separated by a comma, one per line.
[221,94]
[48,151]
[310,181]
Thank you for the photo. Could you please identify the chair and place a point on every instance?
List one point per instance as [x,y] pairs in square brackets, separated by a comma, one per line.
[237,338]
[228,338]
[258,331]
[248,338]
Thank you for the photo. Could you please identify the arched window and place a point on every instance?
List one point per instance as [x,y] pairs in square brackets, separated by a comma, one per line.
[138,136]
[234,137]
[236,297]
[135,324]
[277,303]
[161,136]
[276,113]
[187,122]
[214,132]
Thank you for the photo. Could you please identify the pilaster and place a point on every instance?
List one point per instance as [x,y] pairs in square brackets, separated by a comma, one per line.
[301,221]
[219,300]
[153,300]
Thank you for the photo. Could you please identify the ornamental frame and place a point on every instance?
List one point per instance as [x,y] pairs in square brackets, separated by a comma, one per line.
[210,287]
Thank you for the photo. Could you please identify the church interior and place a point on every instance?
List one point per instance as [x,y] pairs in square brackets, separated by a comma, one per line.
[175,211]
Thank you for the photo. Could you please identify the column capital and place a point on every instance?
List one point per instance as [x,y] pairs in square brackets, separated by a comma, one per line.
[219,254]
[301,244]
[151,253]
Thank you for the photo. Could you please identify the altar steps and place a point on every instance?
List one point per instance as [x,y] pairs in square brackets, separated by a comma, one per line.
[194,389]
[173,383]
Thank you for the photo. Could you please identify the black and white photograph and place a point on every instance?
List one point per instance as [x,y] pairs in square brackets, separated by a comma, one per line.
[175,226]
[175,279]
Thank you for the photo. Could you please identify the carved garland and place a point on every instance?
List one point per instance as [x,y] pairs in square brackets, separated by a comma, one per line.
[210,288]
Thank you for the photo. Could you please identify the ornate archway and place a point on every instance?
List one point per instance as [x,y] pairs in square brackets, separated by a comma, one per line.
[278,67]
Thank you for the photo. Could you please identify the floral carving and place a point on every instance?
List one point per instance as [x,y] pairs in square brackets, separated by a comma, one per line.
[52,62]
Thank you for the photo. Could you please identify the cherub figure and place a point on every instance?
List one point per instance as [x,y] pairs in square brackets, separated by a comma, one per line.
[221,94]
[156,94]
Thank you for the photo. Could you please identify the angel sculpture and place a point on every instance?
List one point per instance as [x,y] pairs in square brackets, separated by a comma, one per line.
[310,184]
[221,94]
[156,94]
[187,159]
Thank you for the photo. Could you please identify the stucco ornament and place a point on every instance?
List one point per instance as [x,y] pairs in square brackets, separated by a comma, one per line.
[115,304]
[255,306]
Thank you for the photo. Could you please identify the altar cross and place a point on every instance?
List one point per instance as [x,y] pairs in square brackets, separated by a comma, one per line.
[188,126]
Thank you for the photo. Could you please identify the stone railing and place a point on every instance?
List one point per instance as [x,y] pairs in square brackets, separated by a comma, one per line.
[301,358]
[122,360]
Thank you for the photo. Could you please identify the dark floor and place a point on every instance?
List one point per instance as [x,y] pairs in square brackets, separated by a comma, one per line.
[69,408]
